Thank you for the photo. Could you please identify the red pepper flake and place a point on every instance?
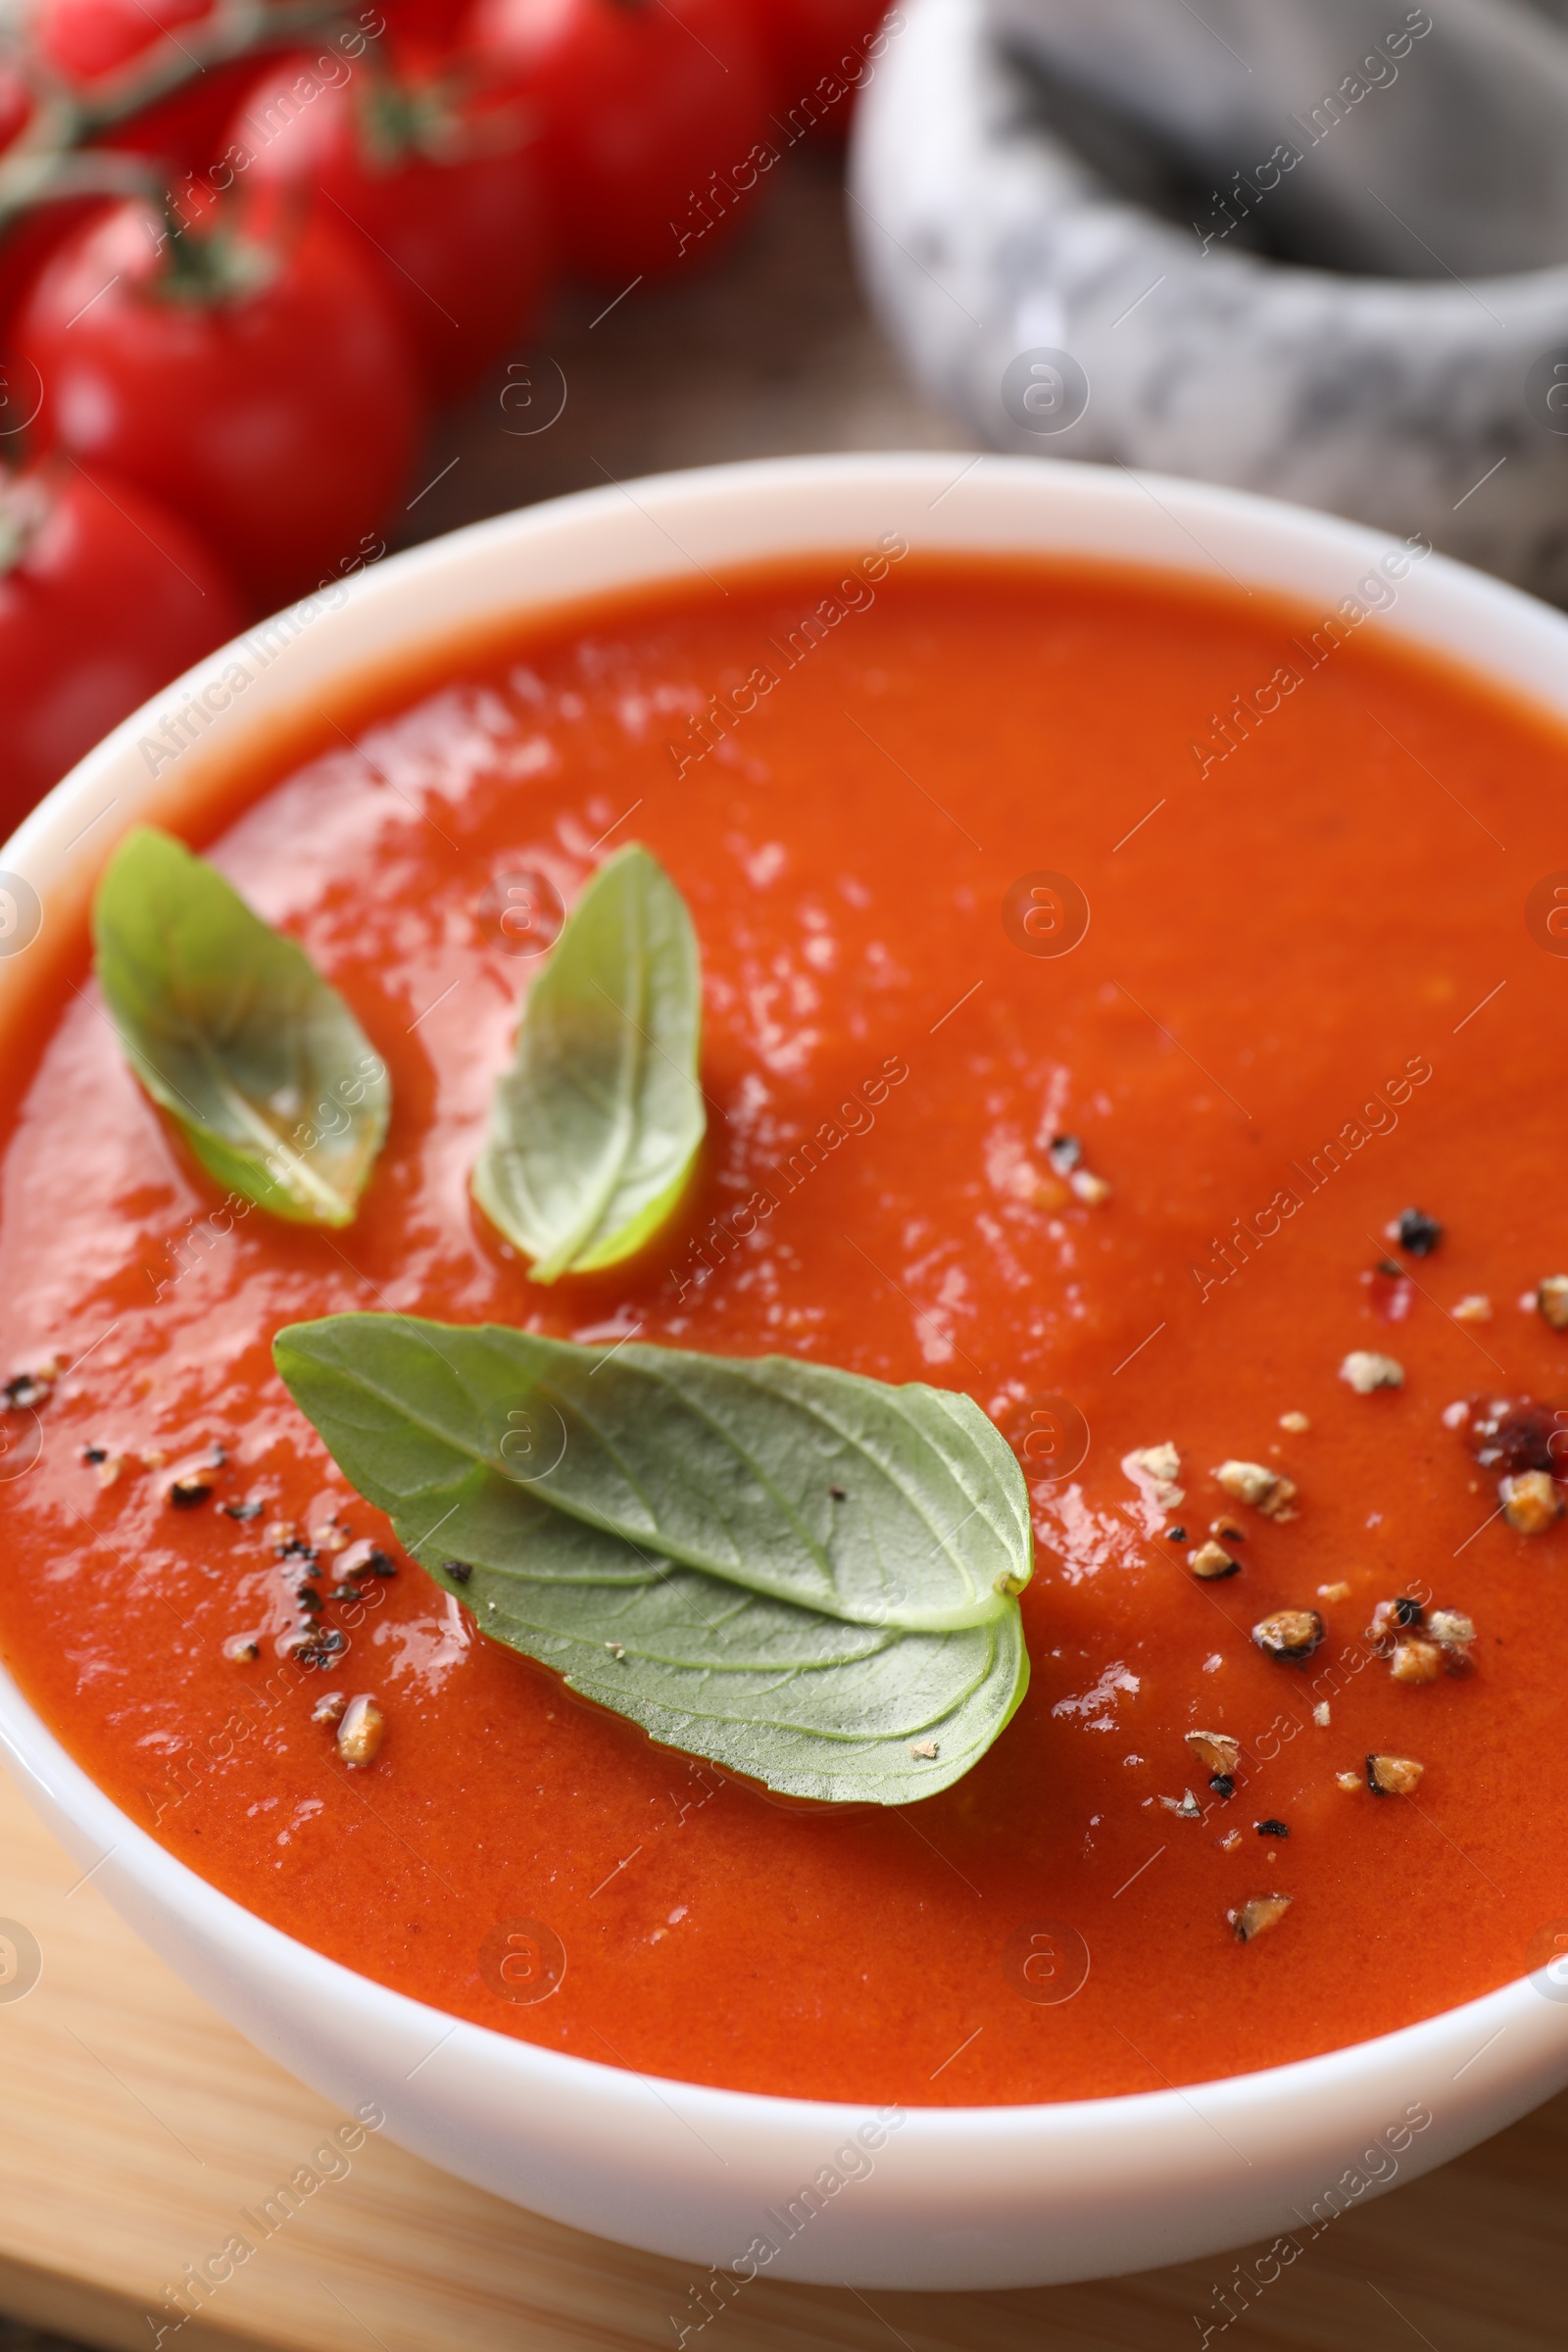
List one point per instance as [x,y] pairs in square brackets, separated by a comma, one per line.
[1390,1292]
[1514,1434]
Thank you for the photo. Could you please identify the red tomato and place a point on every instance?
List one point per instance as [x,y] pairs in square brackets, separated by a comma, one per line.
[104,597]
[653,113]
[184,131]
[16,105]
[264,389]
[433,185]
[817,50]
[85,38]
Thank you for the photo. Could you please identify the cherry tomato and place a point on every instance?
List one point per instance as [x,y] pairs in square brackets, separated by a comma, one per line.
[184,131]
[16,105]
[817,49]
[653,123]
[104,597]
[84,40]
[262,387]
[429,175]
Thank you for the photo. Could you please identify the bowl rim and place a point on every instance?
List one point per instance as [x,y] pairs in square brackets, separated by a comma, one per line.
[1526,656]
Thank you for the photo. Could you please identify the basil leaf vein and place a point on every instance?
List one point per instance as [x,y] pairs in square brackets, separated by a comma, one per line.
[594,1128]
[662,1529]
[232,1029]
[810,1706]
[721,1463]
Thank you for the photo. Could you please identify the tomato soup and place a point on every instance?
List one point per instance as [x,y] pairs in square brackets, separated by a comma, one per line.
[1097,969]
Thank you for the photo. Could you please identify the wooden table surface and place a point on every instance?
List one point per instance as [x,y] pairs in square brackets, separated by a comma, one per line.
[136,2125]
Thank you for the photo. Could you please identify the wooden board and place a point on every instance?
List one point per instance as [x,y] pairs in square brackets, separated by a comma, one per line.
[136,2125]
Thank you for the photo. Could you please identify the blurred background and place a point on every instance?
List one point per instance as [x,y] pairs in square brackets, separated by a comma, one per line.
[286,285]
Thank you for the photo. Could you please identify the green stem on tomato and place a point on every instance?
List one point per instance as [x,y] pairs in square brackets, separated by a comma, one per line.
[52,160]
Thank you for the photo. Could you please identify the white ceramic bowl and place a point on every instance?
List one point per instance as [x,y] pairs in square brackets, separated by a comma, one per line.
[954,2198]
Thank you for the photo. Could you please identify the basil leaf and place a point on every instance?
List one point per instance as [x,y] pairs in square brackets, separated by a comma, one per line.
[229,1026]
[726,1464]
[594,1128]
[810,1706]
[662,1529]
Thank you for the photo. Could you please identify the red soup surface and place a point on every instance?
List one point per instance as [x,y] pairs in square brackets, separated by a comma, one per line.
[1307,999]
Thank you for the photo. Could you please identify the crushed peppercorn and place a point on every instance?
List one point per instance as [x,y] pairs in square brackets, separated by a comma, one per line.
[363,1558]
[1161,1467]
[1551,1298]
[1394,1776]
[1186,1806]
[1390,1619]
[1254,1918]
[1210,1561]
[1267,1490]
[1416,1232]
[1289,1633]
[316,1645]
[1415,1660]
[360,1731]
[1272,1827]
[1531,1502]
[460,1571]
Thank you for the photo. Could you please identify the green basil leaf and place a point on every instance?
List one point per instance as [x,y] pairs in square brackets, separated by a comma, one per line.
[662,1529]
[229,1026]
[879,1505]
[807,1704]
[594,1128]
